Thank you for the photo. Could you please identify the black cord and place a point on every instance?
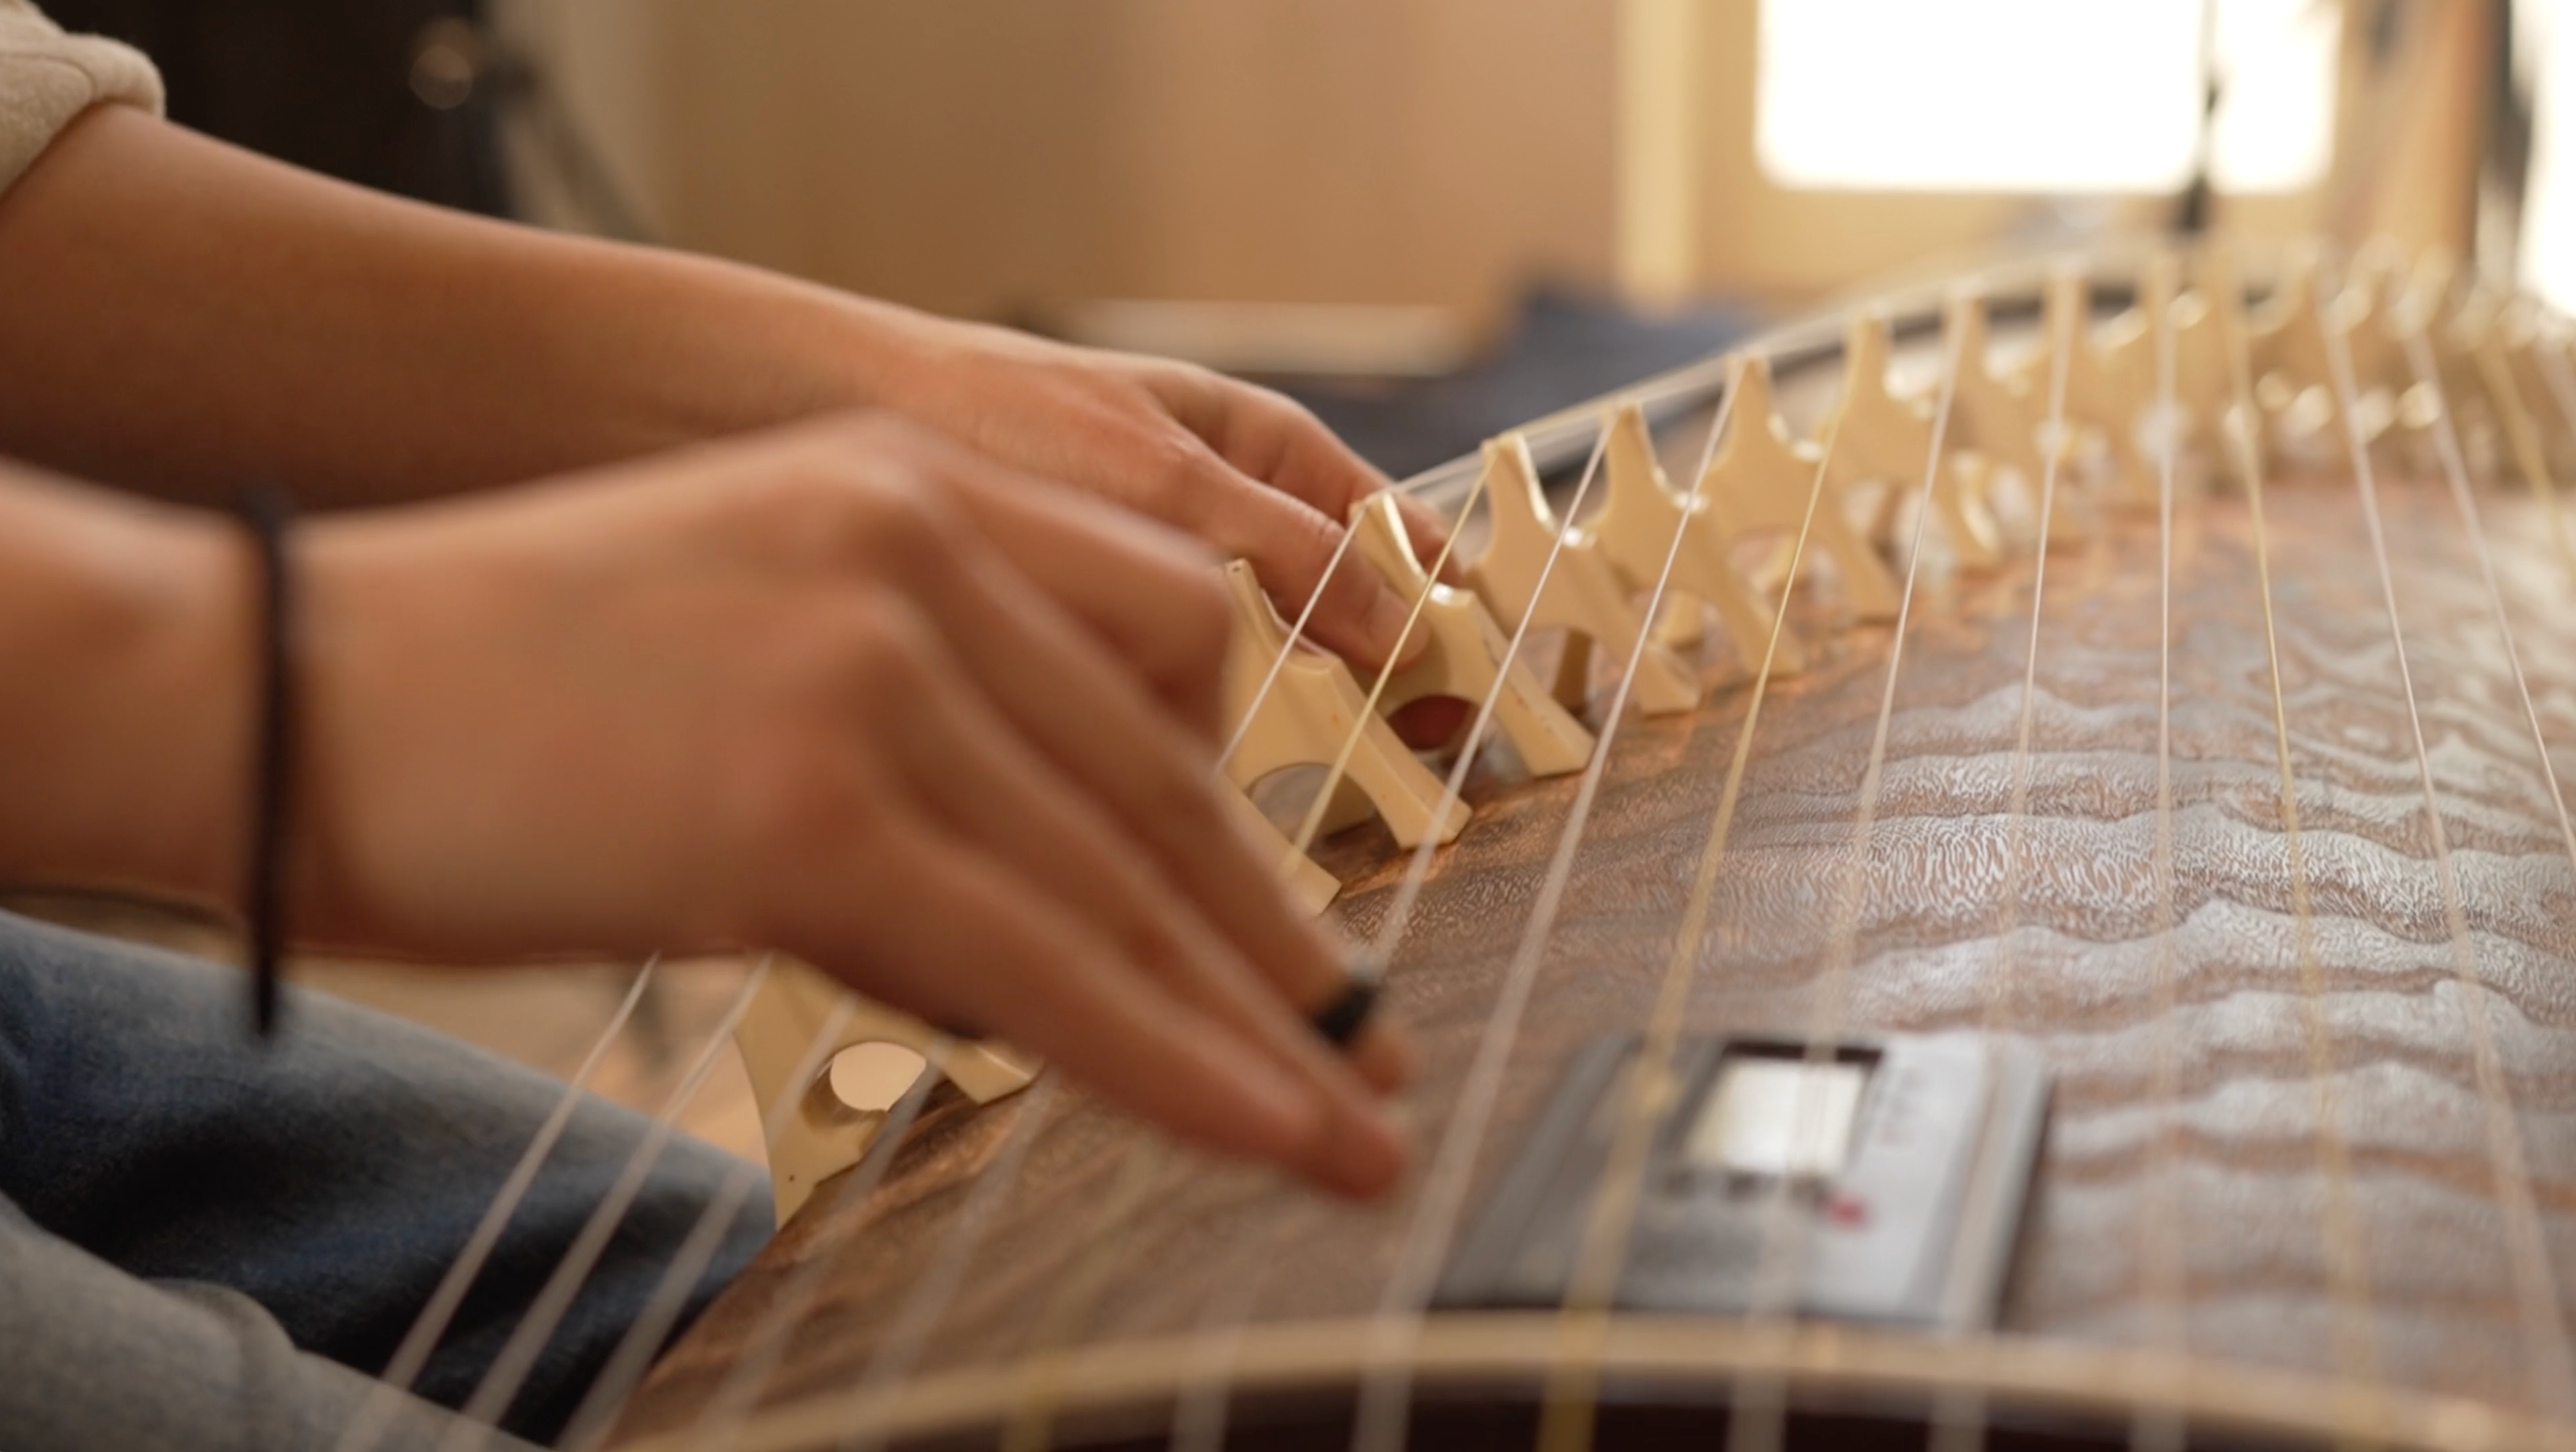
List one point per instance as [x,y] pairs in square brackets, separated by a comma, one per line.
[268,514]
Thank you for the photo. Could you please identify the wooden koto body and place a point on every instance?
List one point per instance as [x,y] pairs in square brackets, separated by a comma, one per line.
[2079,973]
[2314,1112]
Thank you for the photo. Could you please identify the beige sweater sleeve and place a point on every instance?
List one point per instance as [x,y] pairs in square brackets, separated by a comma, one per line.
[48,78]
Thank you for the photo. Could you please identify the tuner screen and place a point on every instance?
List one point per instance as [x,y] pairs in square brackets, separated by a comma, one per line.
[1778,1118]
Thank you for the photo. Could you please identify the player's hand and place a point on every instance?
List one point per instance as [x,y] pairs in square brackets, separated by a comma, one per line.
[1250,472]
[854,692]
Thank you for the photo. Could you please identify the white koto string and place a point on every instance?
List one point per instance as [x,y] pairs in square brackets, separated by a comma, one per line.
[2017,812]
[1198,1419]
[927,1302]
[1399,913]
[1032,1422]
[2356,1352]
[635,1350]
[899,1348]
[509,1370]
[2561,380]
[374,1416]
[1199,1413]
[1757,1416]
[1297,630]
[2542,1317]
[2153,1426]
[765,1348]
[2560,375]
[1367,713]
[2535,1286]
[2419,357]
[1287,648]
[1959,1411]
[1386,1384]
[1042,1369]
[2523,439]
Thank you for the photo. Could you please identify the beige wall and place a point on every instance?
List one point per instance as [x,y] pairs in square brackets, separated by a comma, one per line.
[981,155]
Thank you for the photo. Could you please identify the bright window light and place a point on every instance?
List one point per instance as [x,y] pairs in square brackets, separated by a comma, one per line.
[2548,248]
[2056,96]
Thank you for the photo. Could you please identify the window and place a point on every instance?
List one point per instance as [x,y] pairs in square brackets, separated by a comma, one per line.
[2548,250]
[2050,96]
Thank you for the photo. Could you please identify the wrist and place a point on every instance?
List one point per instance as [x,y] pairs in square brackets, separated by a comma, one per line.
[126,746]
[887,354]
[193,685]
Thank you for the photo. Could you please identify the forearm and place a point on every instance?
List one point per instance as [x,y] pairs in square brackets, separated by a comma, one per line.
[183,317]
[124,691]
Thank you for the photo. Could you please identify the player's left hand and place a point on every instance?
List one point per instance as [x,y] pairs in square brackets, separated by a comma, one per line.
[1241,467]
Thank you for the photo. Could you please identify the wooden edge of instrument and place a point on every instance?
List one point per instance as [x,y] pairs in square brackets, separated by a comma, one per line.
[1525,1346]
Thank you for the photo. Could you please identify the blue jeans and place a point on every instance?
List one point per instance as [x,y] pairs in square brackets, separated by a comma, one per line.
[210,1243]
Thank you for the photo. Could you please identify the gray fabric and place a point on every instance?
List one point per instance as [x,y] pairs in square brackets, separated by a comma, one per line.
[98,1359]
[47,79]
[208,1242]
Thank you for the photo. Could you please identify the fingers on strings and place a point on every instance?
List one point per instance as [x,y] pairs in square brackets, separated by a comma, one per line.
[1076,887]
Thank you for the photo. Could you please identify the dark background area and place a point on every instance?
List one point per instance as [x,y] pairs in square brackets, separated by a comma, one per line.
[386,93]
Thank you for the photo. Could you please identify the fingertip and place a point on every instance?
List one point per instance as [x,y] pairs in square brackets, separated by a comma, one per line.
[1385,1057]
[1429,535]
[1385,626]
[1362,1156]
[1278,1114]
[1364,620]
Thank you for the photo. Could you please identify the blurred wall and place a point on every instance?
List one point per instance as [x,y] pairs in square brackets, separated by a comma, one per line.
[980,156]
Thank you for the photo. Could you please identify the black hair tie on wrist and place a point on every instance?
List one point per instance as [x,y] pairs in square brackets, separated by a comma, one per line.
[267,514]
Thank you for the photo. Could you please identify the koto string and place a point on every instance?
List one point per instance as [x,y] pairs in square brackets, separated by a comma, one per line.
[1042,1370]
[2544,1333]
[2348,1268]
[738,1394]
[1030,1428]
[375,1414]
[2528,451]
[2544,1323]
[635,1350]
[1199,1413]
[2560,376]
[928,1299]
[2419,356]
[1297,629]
[922,1310]
[1959,1413]
[1757,1417]
[1417,871]
[1287,648]
[2017,812]
[509,1370]
[1198,1422]
[1386,1383]
[2550,353]
[1314,819]
[2154,1426]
